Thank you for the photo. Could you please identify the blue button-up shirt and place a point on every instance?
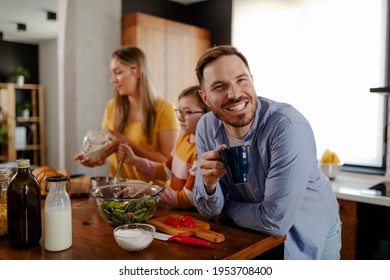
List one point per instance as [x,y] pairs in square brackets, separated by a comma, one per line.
[287,193]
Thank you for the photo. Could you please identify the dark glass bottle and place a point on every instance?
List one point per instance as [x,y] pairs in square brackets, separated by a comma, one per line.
[24,207]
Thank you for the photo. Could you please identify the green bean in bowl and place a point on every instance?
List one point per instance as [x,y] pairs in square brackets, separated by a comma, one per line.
[117,205]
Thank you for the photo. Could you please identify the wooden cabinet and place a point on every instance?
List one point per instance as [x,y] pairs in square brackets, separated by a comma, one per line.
[348,216]
[12,97]
[172,50]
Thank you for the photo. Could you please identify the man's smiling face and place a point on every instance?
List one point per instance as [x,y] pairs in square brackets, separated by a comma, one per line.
[229,91]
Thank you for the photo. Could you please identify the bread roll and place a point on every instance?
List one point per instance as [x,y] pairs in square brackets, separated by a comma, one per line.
[43,172]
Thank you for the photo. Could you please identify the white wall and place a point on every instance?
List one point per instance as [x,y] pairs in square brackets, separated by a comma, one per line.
[89,31]
[48,78]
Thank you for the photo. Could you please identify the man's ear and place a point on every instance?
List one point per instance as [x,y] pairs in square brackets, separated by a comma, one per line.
[204,97]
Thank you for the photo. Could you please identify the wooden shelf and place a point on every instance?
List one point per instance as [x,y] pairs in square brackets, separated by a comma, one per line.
[10,93]
[28,120]
[30,148]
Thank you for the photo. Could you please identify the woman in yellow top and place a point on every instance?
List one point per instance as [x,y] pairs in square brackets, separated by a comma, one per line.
[135,116]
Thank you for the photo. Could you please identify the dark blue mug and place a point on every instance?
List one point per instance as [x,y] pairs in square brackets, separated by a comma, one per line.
[236,160]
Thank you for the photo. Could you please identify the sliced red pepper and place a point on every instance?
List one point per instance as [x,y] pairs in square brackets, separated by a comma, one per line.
[176,224]
[170,220]
[187,221]
[188,224]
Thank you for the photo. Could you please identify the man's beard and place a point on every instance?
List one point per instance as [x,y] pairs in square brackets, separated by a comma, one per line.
[239,120]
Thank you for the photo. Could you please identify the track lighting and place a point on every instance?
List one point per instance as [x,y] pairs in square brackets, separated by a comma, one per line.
[21,26]
[51,16]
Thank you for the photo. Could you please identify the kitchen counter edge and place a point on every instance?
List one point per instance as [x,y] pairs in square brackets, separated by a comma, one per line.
[351,186]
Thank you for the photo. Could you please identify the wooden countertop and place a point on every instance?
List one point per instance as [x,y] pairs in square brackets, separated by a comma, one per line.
[96,241]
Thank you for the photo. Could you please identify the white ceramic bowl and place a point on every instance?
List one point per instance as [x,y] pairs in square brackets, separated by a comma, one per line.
[331,170]
[134,237]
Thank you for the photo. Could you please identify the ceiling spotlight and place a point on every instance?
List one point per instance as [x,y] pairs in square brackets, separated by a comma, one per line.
[21,26]
[51,15]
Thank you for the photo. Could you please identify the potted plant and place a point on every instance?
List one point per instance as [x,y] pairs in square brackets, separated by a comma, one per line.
[20,74]
[24,109]
[3,137]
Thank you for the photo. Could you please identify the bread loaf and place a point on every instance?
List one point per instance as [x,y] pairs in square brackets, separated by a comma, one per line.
[43,172]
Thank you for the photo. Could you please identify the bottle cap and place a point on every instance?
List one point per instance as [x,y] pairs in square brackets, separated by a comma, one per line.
[57,179]
[23,163]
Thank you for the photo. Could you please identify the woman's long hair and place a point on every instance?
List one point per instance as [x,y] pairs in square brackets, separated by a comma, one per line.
[134,57]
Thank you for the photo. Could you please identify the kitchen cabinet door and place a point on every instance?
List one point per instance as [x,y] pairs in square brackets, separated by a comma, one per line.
[185,44]
[148,33]
[172,50]
[348,216]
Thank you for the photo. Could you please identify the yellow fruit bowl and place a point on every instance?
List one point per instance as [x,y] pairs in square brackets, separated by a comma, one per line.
[331,170]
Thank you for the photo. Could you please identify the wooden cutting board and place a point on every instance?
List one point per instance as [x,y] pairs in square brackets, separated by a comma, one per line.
[201,229]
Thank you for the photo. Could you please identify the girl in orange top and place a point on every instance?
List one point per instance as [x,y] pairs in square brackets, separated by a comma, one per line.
[180,167]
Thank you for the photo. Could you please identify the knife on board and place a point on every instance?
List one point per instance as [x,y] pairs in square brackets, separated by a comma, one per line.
[187,240]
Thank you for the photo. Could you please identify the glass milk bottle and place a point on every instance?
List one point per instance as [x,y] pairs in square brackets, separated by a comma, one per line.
[24,207]
[58,215]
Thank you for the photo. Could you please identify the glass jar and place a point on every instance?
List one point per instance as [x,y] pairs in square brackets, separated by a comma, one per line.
[94,142]
[5,178]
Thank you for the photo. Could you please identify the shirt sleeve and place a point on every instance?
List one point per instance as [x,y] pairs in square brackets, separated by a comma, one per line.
[166,117]
[182,198]
[209,206]
[108,117]
[153,169]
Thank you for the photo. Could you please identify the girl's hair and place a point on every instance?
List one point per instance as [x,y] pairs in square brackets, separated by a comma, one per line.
[194,91]
[134,57]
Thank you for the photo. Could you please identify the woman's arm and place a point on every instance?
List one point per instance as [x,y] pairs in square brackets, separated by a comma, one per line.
[152,169]
[86,161]
[167,140]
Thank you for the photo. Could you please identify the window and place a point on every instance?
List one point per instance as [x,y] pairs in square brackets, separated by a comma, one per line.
[322,57]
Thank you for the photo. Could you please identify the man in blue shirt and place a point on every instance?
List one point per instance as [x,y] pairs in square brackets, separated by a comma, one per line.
[287,194]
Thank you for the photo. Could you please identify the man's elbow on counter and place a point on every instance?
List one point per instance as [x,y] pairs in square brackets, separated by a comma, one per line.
[277,230]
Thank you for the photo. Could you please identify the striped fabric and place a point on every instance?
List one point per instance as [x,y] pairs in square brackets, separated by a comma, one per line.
[182,165]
